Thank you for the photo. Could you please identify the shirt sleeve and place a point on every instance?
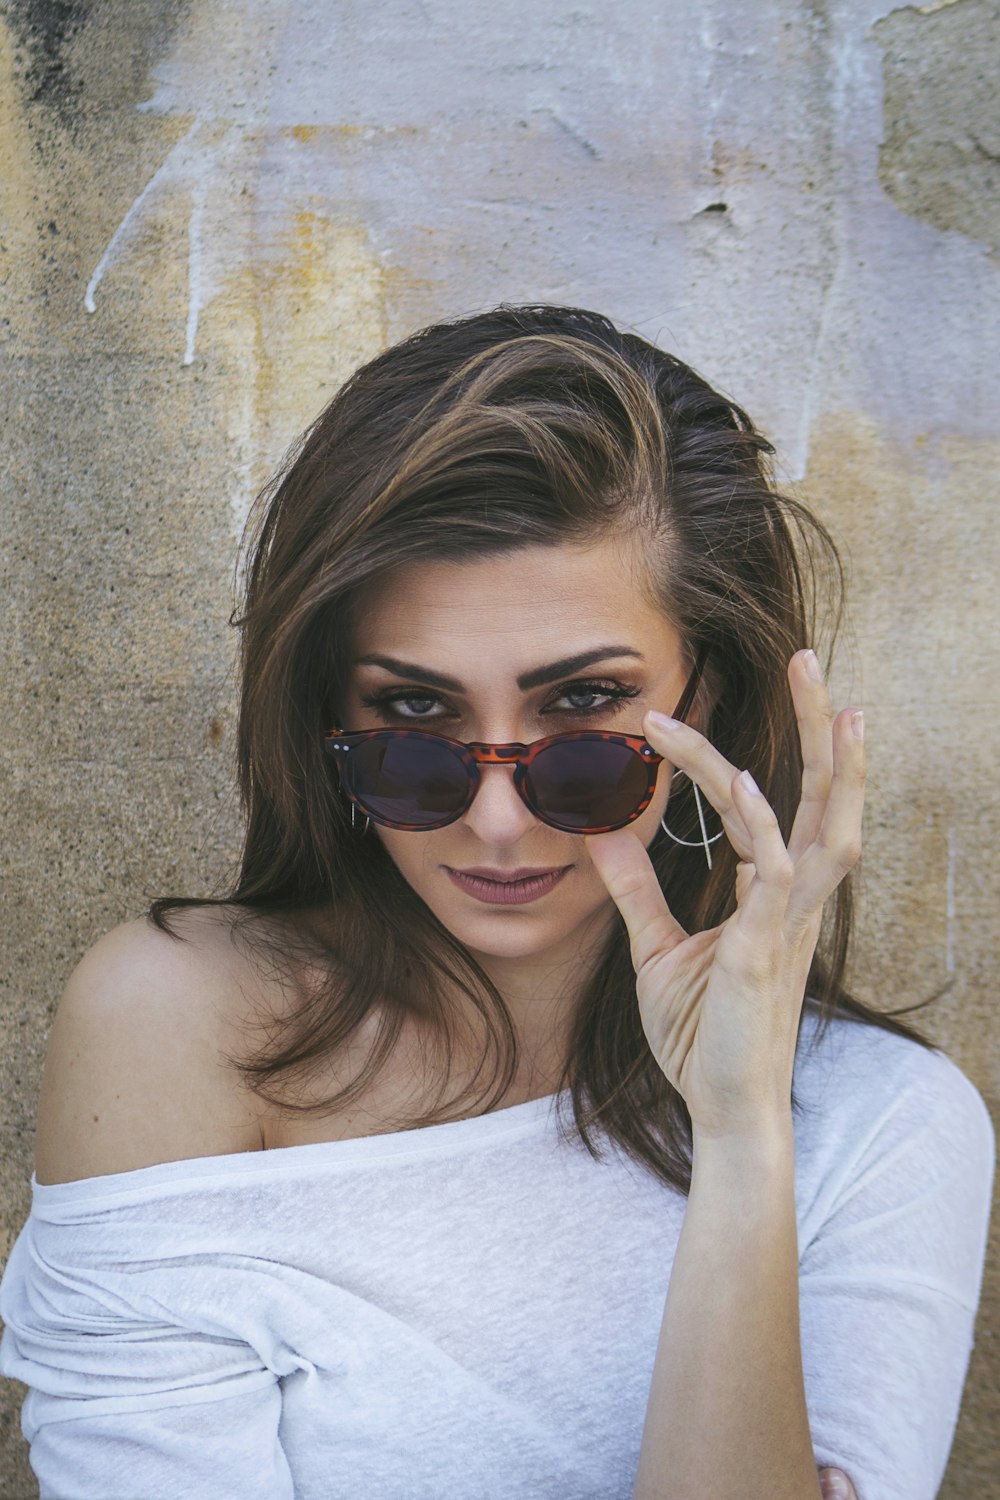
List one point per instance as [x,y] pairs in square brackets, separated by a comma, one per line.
[142,1383]
[890,1283]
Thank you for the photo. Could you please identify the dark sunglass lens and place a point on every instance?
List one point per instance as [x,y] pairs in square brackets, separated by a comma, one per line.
[587,783]
[406,779]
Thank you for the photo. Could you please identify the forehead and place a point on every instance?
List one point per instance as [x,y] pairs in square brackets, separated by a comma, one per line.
[525,605]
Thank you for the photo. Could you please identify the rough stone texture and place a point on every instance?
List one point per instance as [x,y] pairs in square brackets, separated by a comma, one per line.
[940,157]
[212,213]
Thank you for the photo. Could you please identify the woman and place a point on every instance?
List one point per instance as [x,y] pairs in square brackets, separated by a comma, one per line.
[546,800]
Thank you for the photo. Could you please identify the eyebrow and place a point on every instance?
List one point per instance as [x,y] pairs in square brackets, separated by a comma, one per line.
[537,677]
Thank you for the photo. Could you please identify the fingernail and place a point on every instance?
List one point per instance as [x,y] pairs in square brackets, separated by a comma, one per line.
[750,784]
[813,668]
[858,725]
[663,721]
[834,1487]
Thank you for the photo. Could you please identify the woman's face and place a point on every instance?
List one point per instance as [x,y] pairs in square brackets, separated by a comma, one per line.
[484,624]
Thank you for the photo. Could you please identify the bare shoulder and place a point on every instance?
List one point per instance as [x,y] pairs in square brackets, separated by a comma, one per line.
[135,1070]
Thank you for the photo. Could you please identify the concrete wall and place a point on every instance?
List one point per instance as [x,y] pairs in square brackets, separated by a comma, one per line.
[213,211]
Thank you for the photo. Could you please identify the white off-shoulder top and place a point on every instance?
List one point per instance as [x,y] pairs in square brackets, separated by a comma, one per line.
[470,1311]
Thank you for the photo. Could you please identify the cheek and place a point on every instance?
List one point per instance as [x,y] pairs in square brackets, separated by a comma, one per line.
[413,854]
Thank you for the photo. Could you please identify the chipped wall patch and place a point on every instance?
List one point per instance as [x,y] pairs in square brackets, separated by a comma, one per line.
[939,159]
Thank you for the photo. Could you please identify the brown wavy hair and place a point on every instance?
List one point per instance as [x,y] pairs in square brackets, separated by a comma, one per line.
[516,427]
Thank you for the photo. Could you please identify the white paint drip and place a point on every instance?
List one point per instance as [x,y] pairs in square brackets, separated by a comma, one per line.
[799,461]
[120,236]
[196,283]
[843,76]
[949,956]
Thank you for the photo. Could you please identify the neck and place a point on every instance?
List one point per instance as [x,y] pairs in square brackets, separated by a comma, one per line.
[543,992]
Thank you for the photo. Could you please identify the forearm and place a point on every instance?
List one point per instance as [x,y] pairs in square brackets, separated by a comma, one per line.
[727,1414]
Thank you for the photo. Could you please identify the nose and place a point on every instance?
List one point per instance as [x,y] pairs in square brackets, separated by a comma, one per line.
[497,815]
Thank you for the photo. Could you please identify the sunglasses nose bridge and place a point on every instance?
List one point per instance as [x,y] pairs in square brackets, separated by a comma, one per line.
[509,754]
[495,755]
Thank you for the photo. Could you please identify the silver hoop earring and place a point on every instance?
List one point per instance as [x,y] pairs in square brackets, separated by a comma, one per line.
[704,841]
[368,822]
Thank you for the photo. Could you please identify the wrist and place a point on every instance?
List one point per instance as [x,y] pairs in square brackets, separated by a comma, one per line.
[768,1141]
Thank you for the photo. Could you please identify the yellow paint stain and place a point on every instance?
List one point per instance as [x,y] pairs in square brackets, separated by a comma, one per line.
[399,280]
[318,134]
[307,133]
[295,321]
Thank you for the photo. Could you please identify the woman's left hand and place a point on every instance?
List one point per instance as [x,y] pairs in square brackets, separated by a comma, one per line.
[721,1008]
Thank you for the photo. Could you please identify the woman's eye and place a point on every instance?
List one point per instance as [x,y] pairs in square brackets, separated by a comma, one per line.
[589,693]
[386,704]
[610,696]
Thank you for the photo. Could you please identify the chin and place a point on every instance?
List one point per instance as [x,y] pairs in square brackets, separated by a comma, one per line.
[510,941]
[516,931]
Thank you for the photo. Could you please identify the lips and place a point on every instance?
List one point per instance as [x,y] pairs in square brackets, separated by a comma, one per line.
[506,877]
[507,892]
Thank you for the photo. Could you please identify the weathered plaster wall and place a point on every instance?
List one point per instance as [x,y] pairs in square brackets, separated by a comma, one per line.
[212,212]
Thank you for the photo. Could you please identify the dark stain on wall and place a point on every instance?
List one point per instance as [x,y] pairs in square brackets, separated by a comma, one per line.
[940,154]
[58,43]
[44,29]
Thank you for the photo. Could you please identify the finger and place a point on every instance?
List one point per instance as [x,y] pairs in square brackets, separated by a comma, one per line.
[690,751]
[815,716]
[763,906]
[745,873]
[837,846]
[621,860]
[850,1493]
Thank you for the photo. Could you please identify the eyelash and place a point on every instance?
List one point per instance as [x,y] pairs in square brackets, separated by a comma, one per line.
[617,694]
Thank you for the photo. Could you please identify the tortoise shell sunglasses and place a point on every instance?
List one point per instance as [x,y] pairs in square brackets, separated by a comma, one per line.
[586,781]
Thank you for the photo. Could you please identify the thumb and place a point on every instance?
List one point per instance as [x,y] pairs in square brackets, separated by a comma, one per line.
[622,862]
